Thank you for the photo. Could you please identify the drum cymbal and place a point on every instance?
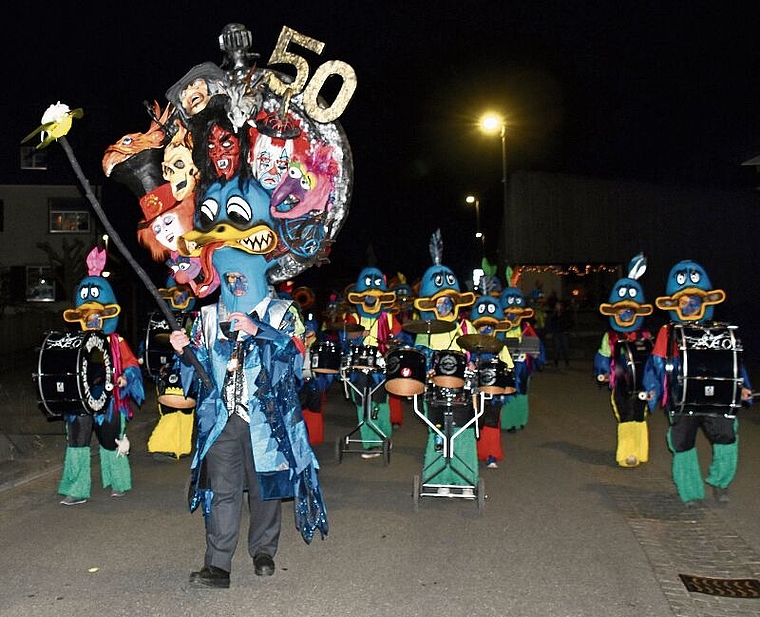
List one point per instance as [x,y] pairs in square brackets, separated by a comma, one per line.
[480,342]
[429,326]
[344,326]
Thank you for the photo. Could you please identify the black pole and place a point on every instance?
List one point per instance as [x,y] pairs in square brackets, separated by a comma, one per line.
[188,352]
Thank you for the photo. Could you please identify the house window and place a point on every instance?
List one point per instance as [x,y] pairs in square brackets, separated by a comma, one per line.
[36,160]
[69,216]
[40,286]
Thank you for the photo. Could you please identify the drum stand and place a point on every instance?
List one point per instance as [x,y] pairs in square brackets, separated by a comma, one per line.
[424,485]
[343,444]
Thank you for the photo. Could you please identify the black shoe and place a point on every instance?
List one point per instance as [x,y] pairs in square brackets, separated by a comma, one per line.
[210,576]
[720,494]
[263,565]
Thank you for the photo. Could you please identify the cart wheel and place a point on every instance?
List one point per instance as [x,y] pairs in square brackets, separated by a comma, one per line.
[387,451]
[339,450]
[416,492]
[481,494]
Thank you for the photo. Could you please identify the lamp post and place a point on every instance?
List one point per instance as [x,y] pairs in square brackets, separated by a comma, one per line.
[492,123]
[478,272]
[471,199]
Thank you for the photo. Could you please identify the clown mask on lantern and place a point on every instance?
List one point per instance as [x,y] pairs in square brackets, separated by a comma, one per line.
[270,160]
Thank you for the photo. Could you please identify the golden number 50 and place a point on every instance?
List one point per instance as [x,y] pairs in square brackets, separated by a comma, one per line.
[311,90]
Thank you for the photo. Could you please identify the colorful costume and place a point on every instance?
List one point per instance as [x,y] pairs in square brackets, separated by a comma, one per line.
[269,173]
[372,303]
[620,362]
[97,309]
[488,318]
[440,299]
[172,437]
[527,358]
[690,301]
[313,392]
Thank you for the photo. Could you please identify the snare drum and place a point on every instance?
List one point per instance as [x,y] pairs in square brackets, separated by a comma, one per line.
[366,357]
[325,358]
[454,403]
[708,379]
[405,370]
[449,368]
[495,377]
[75,373]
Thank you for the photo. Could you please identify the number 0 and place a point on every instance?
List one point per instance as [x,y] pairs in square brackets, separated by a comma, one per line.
[311,92]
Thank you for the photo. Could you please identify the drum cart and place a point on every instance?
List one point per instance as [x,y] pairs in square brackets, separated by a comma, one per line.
[343,444]
[424,484]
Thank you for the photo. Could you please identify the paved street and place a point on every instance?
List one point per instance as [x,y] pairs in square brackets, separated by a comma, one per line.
[564,531]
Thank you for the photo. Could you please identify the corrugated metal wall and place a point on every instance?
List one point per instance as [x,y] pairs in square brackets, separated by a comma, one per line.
[563,219]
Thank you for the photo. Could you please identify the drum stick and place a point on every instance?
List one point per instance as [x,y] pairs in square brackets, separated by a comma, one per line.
[187,351]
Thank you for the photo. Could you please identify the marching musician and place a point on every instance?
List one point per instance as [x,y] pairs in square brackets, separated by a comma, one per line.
[626,310]
[372,311]
[440,299]
[172,436]
[403,310]
[691,300]
[516,409]
[96,308]
[488,318]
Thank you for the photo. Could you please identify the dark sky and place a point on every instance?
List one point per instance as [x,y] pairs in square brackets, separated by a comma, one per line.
[665,92]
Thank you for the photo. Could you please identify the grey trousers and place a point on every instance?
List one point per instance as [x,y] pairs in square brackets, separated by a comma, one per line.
[229,464]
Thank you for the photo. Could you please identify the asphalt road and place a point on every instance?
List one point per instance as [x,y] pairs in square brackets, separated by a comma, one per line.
[563,532]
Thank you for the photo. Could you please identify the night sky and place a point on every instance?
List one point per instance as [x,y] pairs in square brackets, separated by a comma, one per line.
[655,91]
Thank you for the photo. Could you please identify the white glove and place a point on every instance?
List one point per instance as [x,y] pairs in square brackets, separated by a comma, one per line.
[122,446]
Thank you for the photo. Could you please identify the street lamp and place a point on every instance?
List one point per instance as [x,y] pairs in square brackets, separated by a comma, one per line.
[493,124]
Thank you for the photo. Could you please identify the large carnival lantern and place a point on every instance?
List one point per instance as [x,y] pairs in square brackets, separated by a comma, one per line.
[257,155]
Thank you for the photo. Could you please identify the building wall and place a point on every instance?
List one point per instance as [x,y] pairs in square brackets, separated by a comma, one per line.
[564,219]
[26,223]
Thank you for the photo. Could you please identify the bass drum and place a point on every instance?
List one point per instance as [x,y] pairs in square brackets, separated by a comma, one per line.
[158,349]
[629,368]
[74,374]
[708,380]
